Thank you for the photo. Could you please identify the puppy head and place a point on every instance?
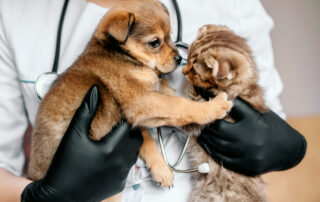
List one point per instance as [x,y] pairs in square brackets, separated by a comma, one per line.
[140,28]
[218,59]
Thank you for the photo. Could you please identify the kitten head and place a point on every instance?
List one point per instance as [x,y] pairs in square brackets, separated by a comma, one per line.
[219,60]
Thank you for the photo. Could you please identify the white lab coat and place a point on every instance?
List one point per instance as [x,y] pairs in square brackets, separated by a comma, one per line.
[28,31]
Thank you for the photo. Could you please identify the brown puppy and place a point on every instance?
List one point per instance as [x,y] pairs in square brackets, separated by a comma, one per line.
[220,61]
[130,47]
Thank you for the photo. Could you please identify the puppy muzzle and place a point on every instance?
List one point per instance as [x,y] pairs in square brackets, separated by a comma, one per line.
[178,59]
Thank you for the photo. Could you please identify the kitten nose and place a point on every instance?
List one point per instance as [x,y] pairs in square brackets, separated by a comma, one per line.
[178,59]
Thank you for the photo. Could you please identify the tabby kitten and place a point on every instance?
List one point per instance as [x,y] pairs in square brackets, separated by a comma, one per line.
[220,61]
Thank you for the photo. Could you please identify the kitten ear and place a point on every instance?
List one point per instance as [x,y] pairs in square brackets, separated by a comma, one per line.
[213,64]
[220,69]
[224,70]
[202,30]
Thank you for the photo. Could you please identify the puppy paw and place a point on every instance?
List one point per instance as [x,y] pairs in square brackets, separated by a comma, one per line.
[162,175]
[221,97]
[220,106]
[222,100]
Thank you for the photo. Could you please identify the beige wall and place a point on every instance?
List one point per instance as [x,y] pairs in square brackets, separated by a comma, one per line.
[296,42]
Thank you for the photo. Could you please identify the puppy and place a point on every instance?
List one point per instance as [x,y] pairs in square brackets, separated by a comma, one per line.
[220,61]
[129,49]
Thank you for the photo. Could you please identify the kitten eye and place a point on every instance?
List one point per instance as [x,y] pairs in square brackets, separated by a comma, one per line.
[155,43]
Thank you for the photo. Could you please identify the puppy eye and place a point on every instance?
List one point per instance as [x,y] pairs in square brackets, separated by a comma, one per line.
[155,43]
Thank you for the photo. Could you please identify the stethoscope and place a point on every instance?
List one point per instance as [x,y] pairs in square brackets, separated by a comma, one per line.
[204,167]
[45,81]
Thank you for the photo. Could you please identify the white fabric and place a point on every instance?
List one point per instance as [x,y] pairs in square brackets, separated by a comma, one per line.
[28,31]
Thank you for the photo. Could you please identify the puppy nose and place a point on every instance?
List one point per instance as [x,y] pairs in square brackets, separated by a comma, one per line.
[178,59]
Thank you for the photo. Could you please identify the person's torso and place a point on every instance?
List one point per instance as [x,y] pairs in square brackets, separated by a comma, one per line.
[33,38]
[34,28]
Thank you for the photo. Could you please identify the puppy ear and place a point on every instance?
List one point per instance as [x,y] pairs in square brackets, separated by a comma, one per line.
[115,27]
[220,69]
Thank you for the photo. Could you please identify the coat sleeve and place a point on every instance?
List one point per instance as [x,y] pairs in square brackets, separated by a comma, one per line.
[13,109]
[13,118]
[255,26]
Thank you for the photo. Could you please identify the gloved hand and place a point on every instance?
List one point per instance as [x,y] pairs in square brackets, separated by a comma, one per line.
[85,170]
[256,143]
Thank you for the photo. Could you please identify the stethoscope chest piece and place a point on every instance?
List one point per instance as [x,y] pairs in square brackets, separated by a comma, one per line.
[44,83]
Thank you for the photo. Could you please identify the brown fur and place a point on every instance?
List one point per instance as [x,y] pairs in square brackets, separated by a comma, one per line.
[121,62]
[220,61]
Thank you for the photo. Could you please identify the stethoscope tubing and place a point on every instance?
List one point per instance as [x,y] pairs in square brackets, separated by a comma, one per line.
[58,41]
[179,42]
[164,155]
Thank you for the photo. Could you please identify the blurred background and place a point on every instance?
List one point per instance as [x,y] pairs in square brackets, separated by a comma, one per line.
[296,43]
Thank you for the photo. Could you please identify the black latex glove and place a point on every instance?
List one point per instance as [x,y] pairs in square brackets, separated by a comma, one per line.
[255,144]
[85,170]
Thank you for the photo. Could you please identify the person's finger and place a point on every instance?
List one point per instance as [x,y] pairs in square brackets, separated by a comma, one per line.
[122,137]
[222,129]
[82,119]
[136,137]
[241,110]
[235,164]
[218,157]
[133,143]
[117,134]
[222,146]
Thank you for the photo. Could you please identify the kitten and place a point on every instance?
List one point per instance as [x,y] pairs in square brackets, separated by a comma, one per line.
[220,61]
